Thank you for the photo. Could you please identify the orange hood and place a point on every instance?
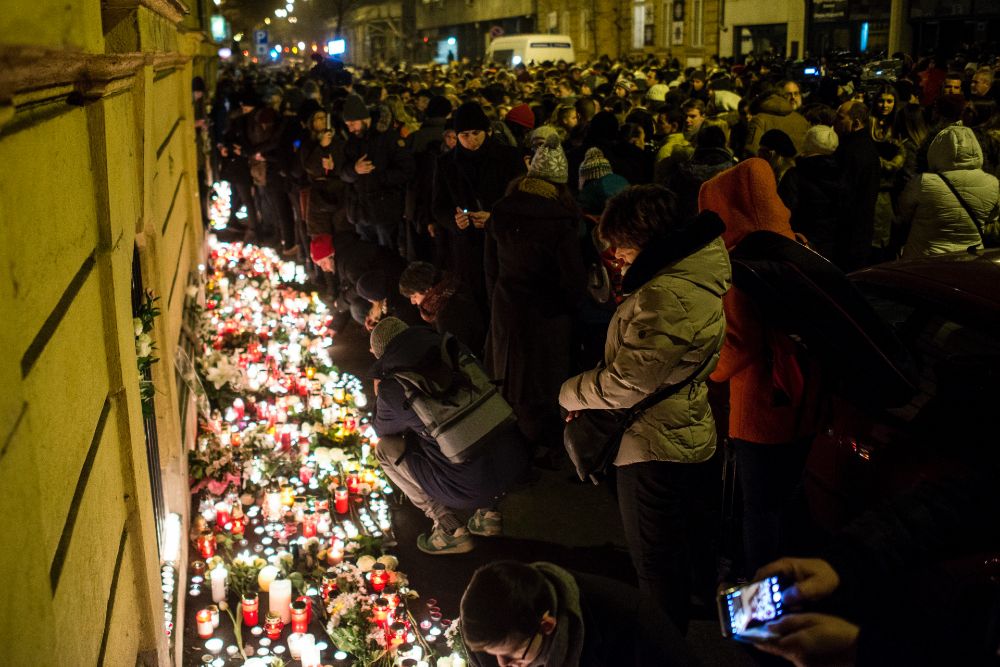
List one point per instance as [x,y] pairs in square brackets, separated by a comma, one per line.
[746,198]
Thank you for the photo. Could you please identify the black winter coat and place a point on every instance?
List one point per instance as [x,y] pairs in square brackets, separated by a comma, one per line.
[859,162]
[326,211]
[471,485]
[687,177]
[536,279]
[377,199]
[473,180]
[815,191]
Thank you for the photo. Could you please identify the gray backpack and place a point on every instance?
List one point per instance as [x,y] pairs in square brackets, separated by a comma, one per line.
[458,403]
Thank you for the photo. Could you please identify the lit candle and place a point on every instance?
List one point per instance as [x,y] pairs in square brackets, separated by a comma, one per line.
[379,577]
[339,500]
[204,621]
[381,609]
[352,482]
[293,644]
[280,599]
[251,607]
[267,574]
[309,524]
[287,495]
[206,544]
[335,554]
[272,504]
[273,626]
[309,653]
[222,513]
[300,616]
[239,408]
[219,575]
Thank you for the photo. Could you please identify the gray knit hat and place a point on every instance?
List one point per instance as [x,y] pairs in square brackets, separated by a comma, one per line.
[549,162]
[594,166]
[384,332]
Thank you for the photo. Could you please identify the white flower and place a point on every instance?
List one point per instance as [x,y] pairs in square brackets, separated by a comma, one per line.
[143,345]
[191,291]
[137,326]
[365,563]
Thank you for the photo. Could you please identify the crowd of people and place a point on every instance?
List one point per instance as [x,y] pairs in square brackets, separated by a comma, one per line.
[571,226]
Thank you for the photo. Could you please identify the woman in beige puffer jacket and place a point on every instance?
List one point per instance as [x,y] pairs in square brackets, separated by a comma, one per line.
[670,326]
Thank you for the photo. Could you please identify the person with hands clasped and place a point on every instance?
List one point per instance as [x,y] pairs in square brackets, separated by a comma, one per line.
[469,180]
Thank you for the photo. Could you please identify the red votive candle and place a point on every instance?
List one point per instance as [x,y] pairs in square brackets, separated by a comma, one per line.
[251,609]
[340,500]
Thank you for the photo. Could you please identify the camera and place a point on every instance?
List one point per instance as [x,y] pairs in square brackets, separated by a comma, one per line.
[745,610]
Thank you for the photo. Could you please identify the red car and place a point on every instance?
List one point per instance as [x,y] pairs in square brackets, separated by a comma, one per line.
[946,311]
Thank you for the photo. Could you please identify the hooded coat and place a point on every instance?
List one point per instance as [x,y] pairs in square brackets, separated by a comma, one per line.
[377,199]
[814,190]
[938,222]
[664,330]
[746,197]
[535,278]
[776,113]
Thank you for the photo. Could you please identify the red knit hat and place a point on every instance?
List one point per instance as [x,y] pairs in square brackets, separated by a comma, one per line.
[321,247]
[522,115]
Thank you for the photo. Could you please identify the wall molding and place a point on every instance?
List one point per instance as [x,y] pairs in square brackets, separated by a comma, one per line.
[34,75]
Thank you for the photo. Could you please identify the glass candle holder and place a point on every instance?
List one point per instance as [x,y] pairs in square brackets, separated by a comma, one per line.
[300,616]
[206,544]
[251,609]
[204,620]
[340,500]
[379,577]
[273,626]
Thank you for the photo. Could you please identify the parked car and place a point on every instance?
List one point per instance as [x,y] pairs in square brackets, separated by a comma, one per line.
[946,311]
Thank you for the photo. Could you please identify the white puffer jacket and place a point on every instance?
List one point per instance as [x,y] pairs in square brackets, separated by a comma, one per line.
[939,222]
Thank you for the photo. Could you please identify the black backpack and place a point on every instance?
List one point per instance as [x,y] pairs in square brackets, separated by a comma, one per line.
[804,296]
[458,404]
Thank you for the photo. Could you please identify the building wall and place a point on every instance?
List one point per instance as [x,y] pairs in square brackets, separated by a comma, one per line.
[97,136]
[753,12]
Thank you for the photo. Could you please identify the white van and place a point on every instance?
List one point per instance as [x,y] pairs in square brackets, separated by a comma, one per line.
[516,49]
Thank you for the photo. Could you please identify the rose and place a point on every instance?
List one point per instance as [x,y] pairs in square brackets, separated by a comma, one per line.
[137,326]
[143,345]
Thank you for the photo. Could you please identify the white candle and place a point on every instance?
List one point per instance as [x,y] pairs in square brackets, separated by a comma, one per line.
[273,501]
[267,574]
[280,599]
[293,644]
[309,653]
[219,575]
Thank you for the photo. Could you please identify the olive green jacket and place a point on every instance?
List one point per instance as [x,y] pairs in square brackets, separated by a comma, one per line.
[658,336]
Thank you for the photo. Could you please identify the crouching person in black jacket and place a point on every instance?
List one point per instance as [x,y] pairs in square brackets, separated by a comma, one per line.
[413,459]
[542,615]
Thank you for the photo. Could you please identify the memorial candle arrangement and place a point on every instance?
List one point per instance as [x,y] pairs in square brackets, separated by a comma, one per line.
[286,483]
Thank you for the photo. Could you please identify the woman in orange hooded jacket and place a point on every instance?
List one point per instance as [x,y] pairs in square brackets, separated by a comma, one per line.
[770,430]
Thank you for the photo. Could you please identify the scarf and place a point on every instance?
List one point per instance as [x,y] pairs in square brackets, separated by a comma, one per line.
[563,647]
[437,298]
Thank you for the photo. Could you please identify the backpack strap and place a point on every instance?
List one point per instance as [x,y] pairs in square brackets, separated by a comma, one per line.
[965,205]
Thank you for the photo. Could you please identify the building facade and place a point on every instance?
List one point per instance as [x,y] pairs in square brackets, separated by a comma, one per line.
[100,203]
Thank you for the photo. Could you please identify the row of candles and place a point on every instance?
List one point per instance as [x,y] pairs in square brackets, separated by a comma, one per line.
[286,516]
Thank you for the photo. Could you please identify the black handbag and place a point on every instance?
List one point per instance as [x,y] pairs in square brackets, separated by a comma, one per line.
[593,438]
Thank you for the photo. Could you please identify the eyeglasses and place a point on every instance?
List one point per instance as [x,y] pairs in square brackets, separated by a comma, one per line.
[531,642]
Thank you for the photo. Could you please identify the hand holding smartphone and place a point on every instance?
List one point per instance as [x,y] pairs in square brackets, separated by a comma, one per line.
[745,611]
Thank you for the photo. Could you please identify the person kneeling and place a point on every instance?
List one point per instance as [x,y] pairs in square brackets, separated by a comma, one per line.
[414,460]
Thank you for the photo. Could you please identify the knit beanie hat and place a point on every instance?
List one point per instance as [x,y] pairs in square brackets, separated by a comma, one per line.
[438,107]
[540,135]
[549,162]
[522,115]
[371,286]
[470,116]
[594,166]
[355,109]
[308,109]
[820,140]
[779,142]
[383,333]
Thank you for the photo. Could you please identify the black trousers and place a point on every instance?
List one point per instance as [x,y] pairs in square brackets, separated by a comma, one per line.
[663,512]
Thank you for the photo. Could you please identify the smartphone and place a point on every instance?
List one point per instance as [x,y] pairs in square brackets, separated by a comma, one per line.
[328,127]
[744,611]
[465,210]
[810,71]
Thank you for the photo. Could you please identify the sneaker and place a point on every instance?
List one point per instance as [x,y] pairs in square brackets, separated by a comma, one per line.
[441,542]
[486,523]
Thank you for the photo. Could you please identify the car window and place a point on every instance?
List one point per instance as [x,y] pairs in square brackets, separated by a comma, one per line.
[951,358]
